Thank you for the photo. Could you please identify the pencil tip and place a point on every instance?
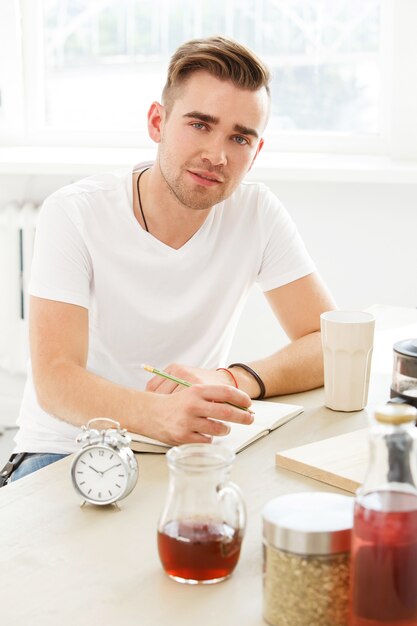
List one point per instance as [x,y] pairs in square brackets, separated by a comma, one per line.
[148,368]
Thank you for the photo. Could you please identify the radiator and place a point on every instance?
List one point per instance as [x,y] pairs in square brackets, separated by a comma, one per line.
[17,234]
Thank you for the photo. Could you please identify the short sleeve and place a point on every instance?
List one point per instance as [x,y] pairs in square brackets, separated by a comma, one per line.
[61,267]
[285,257]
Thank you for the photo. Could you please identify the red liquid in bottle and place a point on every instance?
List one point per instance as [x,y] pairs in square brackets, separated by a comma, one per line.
[384,561]
[199,551]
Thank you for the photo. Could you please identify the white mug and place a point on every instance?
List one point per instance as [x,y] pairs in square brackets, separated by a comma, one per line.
[347,340]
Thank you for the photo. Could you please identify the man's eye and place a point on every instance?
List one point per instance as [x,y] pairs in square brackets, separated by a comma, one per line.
[198,125]
[240,140]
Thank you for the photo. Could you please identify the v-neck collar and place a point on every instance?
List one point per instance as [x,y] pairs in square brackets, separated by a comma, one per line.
[151,239]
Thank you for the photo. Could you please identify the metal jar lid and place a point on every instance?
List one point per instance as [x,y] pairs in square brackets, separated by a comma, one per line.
[309,523]
[408,347]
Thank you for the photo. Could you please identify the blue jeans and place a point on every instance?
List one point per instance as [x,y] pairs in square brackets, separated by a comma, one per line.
[34,462]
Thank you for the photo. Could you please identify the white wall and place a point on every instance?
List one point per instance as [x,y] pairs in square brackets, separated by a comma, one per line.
[363,240]
[362,237]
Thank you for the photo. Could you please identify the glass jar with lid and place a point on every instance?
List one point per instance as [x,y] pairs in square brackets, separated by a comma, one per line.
[306,559]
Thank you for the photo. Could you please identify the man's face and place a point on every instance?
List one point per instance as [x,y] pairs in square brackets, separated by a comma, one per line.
[209,138]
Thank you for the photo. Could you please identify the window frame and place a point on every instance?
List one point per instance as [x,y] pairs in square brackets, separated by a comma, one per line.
[398,131]
[12,127]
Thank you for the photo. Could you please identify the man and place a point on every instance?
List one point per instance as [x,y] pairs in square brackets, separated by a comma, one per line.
[153,266]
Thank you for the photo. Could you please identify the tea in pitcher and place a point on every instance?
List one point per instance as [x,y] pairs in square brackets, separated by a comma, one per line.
[200,551]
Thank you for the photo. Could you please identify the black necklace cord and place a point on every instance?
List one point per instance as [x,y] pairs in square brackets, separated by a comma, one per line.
[139,200]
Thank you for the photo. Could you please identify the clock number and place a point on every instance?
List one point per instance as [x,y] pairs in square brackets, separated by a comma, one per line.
[101,452]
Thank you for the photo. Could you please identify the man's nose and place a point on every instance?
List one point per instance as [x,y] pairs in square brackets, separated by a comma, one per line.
[215,152]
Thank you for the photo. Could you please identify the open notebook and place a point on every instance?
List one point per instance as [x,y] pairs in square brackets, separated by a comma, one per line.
[268,416]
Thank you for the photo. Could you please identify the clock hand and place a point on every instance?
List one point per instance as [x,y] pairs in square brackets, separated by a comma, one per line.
[109,468]
[94,470]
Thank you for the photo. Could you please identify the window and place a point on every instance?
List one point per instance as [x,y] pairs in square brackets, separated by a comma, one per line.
[92,67]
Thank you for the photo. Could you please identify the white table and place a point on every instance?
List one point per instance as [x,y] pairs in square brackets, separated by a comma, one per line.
[62,565]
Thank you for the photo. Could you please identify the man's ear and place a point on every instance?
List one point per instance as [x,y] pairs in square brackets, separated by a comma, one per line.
[156,117]
[258,149]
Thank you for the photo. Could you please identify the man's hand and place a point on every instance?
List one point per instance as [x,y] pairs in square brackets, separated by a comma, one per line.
[196,414]
[194,375]
[71,392]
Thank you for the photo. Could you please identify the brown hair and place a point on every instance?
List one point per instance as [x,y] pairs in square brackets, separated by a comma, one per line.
[223,58]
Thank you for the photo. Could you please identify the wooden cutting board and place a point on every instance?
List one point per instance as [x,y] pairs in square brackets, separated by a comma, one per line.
[339,461]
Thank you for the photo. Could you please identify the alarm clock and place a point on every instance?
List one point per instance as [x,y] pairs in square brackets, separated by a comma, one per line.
[105,470]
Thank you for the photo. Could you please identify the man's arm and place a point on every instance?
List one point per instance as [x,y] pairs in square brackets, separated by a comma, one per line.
[66,389]
[296,367]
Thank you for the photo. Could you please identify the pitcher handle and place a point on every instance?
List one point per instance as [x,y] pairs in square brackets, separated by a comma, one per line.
[230,494]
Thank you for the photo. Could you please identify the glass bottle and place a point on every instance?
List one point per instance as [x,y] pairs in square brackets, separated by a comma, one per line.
[384,539]
[201,528]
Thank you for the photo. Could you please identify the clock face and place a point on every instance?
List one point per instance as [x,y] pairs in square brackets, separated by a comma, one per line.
[100,475]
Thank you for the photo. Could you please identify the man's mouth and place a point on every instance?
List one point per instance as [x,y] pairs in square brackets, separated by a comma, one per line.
[205,178]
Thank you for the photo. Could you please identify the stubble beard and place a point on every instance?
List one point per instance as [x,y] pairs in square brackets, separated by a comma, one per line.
[200,198]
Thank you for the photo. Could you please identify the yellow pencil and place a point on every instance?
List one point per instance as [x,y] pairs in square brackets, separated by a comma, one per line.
[185,383]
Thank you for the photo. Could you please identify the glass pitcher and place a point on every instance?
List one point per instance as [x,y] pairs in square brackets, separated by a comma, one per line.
[201,528]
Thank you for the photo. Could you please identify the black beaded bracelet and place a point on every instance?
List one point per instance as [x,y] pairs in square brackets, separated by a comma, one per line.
[256,377]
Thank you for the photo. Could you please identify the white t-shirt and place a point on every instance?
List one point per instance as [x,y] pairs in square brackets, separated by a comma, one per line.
[147,302]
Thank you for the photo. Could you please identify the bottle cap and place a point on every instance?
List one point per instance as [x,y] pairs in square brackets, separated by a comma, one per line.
[395,414]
